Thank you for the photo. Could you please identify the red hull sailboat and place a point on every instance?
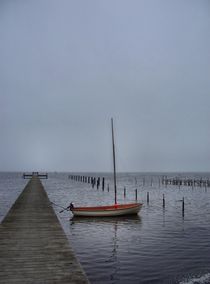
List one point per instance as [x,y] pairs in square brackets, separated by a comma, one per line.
[110,210]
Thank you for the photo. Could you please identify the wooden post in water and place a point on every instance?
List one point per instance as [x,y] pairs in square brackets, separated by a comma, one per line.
[147,197]
[124,192]
[163,200]
[103,183]
[136,194]
[183,206]
[98,183]
[92,182]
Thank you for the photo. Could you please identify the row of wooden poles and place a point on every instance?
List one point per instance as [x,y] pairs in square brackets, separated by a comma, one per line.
[96,181]
[176,181]
[164,180]
[186,182]
[91,180]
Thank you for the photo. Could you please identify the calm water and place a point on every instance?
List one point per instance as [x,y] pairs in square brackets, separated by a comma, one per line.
[158,246]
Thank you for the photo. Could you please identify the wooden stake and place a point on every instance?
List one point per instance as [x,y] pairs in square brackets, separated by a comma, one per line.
[136,194]
[163,200]
[147,197]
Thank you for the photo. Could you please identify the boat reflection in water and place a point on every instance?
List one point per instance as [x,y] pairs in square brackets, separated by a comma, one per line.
[108,220]
[103,237]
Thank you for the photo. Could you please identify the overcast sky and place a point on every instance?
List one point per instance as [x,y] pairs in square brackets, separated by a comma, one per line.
[67,67]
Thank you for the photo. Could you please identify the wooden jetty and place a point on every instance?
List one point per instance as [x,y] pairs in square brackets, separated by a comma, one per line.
[40,175]
[33,245]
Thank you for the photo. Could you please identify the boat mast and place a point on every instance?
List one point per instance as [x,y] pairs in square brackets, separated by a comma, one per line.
[113,147]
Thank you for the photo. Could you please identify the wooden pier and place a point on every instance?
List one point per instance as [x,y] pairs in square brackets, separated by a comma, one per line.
[33,245]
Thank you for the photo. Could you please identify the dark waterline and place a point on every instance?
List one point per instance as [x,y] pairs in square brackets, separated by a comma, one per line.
[158,246]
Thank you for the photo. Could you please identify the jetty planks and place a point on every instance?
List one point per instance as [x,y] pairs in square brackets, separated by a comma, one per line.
[33,245]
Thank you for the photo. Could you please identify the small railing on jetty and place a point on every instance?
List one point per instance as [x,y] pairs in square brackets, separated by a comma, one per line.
[37,174]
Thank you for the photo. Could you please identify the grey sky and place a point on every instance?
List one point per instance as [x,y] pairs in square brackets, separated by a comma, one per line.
[67,66]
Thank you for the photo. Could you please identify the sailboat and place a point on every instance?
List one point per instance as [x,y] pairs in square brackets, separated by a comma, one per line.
[110,210]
